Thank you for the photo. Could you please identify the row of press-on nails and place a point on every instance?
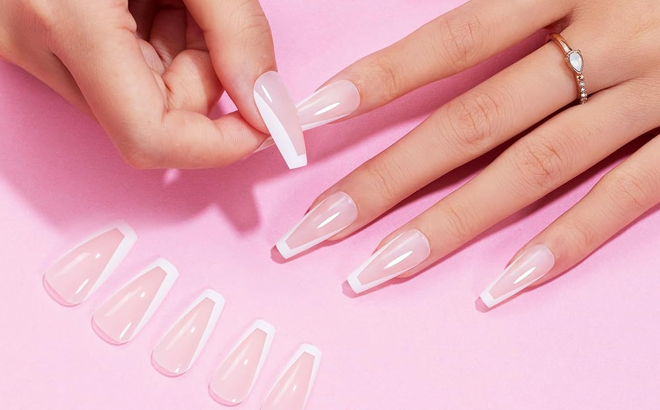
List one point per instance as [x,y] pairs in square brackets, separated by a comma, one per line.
[119,319]
[405,252]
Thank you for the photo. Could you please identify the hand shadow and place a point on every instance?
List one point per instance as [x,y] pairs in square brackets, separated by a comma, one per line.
[64,166]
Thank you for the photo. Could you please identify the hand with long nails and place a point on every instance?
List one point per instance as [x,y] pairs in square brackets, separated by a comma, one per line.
[613,64]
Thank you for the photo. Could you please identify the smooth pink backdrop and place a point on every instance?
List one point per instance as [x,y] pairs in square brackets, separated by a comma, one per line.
[589,340]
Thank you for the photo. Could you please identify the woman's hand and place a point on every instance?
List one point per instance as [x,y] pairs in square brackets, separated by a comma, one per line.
[150,70]
[619,42]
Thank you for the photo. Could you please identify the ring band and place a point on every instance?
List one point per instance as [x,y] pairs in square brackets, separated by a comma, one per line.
[575,62]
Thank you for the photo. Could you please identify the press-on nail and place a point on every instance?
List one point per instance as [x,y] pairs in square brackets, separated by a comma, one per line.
[182,344]
[292,389]
[281,118]
[79,273]
[330,103]
[237,374]
[126,312]
[529,267]
[329,217]
[398,256]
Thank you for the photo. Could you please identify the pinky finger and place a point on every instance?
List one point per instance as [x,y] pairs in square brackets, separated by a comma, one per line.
[620,197]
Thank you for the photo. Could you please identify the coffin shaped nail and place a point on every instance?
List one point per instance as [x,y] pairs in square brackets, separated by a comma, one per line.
[326,219]
[234,379]
[182,344]
[281,118]
[529,267]
[327,104]
[291,390]
[126,312]
[79,273]
[400,255]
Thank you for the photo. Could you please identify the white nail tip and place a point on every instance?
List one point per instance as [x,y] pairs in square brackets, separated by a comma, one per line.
[280,135]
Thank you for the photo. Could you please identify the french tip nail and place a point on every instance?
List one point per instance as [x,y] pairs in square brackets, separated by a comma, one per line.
[329,103]
[529,267]
[280,115]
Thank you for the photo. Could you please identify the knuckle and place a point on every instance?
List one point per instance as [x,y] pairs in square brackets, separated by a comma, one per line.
[383,179]
[461,38]
[460,225]
[472,120]
[579,235]
[631,188]
[386,74]
[137,153]
[539,164]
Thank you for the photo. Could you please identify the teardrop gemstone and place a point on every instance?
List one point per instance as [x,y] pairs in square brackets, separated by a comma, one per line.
[575,60]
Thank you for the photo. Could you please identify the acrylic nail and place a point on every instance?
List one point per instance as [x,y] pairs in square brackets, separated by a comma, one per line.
[126,312]
[232,382]
[330,103]
[401,254]
[281,118]
[325,220]
[529,267]
[79,273]
[292,389]
[182,344]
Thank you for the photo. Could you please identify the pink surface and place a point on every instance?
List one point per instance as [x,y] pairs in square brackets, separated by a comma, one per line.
[588,340]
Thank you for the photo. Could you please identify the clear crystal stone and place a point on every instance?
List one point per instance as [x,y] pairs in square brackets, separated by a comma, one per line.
[575,60]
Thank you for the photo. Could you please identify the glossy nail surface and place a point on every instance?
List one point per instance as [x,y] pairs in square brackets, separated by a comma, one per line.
[281,118]
[330,103]
[234,379]
[182,344]
[292,389]
[529,267]
[79,273]
[126,312]
[401,254]
[332,215]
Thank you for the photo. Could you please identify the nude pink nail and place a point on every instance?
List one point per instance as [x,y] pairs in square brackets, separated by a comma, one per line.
[79,273]
[126,312]
[330,103]
[281,118]
[529,267]
[326,219]
[182,344]
[292,389]
[234,379]
[398,256]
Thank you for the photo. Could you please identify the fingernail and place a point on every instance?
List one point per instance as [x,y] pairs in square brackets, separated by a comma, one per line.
[268,142]
[328,104]
[281,118]
[126,312]
[332,215]
[292,389]
[529,267]
[182,344]
[234,379]
[79,273]
[400,255]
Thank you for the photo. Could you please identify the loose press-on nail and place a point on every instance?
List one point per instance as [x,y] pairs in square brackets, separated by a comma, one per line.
[326,219]
[529,267]
[328,104]
[126,312]
[234,379]
[398,256]
[292,389]
[79,273]
[281,118]
[182,344]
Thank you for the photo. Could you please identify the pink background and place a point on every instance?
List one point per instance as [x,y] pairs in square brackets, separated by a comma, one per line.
[589,340]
